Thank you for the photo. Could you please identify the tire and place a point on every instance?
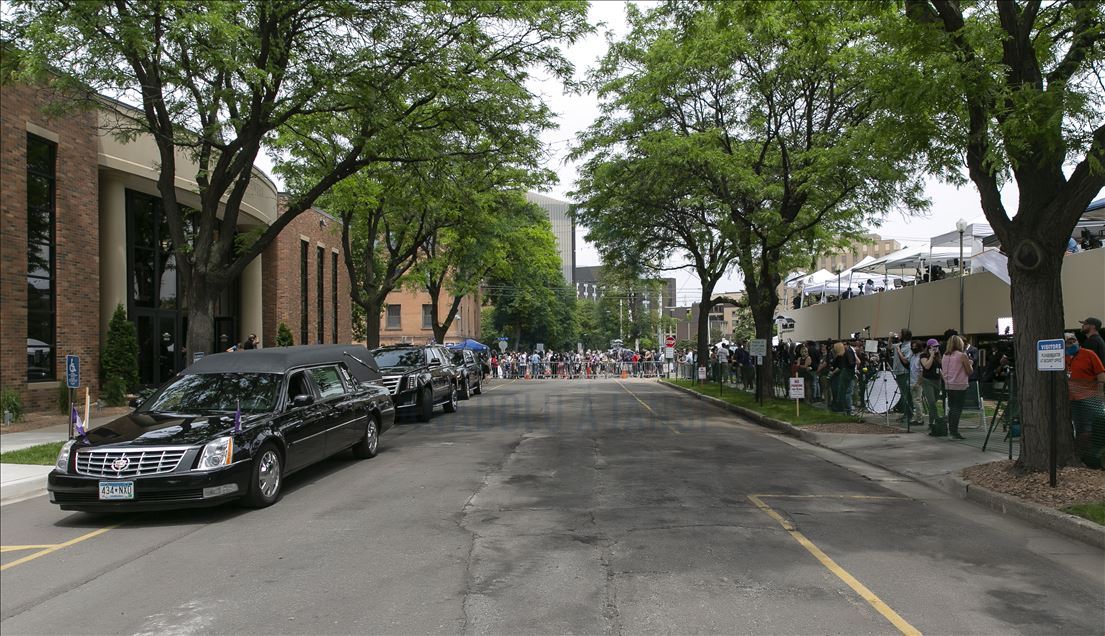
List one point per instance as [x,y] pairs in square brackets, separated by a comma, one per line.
[479,388]
[465,393]
[425,405]
[369,445]
[451,405]
[267,478]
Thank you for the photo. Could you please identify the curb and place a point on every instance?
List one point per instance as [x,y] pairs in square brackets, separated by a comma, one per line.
[22,489]
[1050,518]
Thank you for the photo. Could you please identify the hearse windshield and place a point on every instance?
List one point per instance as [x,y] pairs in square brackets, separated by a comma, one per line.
[196,393]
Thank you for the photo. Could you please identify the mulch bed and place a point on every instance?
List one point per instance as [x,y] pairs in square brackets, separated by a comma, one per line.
[1075,485]
[862,428]
[33,421]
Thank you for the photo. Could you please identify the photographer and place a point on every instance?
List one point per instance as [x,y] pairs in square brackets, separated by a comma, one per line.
[930,384]
[900,362]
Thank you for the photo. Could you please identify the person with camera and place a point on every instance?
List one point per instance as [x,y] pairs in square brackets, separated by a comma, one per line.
[901,357]
[957,368]
[930,383]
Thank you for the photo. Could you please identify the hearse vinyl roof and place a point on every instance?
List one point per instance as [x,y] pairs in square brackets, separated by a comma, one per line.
[280,359]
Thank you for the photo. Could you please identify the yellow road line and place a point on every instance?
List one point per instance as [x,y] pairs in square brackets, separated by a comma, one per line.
[500,386]
[17,548]
[59,546]
[841,573]
[876,497]
[624,388]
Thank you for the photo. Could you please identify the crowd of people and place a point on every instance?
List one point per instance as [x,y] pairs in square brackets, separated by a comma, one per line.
[573,364]
[928,371]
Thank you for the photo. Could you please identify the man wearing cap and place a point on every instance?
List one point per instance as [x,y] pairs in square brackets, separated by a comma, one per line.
[1087,403]
[1094,342]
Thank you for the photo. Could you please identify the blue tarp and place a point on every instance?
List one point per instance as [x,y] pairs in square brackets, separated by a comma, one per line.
[469,344]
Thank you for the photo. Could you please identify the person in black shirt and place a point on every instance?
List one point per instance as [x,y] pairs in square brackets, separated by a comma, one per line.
[1094,342]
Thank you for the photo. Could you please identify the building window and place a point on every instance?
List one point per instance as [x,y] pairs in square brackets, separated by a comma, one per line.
[321,276]
[304,246]
[427,316]
[394,321]
[41,322]
[334,295]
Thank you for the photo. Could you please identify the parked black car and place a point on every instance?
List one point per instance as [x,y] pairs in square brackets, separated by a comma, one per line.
[419,377]
[182,448]
[469,373]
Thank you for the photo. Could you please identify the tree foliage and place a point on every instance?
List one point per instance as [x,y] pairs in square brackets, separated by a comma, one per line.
[332,86]
[1014,91]
[765,122]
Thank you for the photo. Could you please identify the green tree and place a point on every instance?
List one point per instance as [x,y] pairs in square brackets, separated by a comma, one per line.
[333,86]
[532,301]
[1016,88]
[119,362]
[769,115]
[284,335]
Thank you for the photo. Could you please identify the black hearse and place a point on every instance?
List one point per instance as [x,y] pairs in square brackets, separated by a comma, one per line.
[231,426]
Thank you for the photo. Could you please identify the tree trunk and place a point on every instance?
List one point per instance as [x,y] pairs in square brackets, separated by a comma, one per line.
[372,323]
[1036,296]
[702,354]
[765,330]
[201,323]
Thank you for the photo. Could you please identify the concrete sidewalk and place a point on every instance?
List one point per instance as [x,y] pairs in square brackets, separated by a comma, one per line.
[19,481]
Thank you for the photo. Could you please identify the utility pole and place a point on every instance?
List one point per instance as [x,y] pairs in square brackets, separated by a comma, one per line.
[621,332]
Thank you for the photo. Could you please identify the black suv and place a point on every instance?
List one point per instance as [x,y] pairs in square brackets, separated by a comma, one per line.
[419,377]
[469,372]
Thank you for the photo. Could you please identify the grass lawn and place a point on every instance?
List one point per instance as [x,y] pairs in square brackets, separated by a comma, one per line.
[782,410]
[1095,511]
[43,455]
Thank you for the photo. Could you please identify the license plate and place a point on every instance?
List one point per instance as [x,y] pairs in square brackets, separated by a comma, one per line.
[116,490]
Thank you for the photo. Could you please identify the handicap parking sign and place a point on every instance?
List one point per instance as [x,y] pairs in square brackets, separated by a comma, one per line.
[72,371]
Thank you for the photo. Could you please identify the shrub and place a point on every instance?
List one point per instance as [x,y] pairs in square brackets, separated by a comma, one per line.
[10,402]
[120,359]
[284,336]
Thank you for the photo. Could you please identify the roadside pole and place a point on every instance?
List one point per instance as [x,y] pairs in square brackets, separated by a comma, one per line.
[72,381]
[1049,357]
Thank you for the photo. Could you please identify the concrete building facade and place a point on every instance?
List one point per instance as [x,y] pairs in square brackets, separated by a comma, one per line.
[563,227]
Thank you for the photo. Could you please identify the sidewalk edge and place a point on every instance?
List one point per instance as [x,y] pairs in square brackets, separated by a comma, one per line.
[21,489]
[1050,518]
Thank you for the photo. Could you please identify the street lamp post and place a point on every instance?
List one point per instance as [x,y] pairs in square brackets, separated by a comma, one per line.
[961,225]
[839,302]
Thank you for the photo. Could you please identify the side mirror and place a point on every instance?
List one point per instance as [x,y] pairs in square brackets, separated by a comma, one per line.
[136,402]
[302,400]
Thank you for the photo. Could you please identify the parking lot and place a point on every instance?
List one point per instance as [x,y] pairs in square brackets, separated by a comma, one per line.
[601,506]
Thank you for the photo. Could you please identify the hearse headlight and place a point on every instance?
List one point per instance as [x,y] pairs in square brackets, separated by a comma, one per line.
[62,463]
[218,452]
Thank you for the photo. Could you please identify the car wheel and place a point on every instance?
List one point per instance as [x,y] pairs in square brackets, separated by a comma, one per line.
[479,388]
[267,477]
[451,405]
[465,393]
[425,405]
[368,445]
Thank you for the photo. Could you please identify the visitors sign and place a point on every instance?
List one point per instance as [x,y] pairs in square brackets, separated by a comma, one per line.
[1049,355]
[72,371]
[757,347]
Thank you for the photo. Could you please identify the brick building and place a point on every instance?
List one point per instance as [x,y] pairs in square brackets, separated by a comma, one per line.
[81,232]
[407,318]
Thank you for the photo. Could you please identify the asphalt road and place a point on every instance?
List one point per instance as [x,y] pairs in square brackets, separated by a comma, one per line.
[586,507]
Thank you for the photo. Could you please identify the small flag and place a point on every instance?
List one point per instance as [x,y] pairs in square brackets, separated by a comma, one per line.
[238,418]
[75,419]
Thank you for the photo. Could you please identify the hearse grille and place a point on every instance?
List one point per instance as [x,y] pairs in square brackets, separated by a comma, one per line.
[128,463]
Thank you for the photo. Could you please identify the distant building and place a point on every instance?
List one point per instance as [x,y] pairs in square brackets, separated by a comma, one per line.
[723,320]
[563,228]
[872,245]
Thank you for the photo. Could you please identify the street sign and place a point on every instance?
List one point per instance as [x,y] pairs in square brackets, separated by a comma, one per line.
[669,353]
[72,371]
[757,347]
[503,339]
[502,345]
[669,342]
[1049,355]
[540,347]
[797,388]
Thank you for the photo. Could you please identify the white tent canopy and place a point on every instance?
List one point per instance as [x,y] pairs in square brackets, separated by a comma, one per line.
[819,276]
[920,257]
[973,235]
[994,262]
